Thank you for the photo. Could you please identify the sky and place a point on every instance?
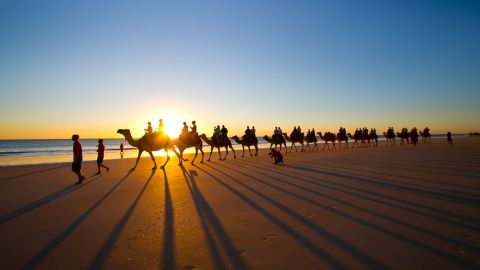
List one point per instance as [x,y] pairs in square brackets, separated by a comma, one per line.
[92,67]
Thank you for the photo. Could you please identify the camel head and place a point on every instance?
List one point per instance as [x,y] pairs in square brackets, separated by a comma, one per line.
[124,132]
[266,137]
[235,137]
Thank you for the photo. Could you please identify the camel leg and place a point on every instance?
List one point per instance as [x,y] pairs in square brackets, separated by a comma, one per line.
[234,156]
[250,151]
[211,150]
[302,148]
[138,159]
[220,154]
[166,161]
[334,148]
[196,154]
[256,150]
[325,145]
[243,148]
[226,150]
[153,158]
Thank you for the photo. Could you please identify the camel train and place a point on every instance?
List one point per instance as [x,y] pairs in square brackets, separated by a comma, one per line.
[362,137]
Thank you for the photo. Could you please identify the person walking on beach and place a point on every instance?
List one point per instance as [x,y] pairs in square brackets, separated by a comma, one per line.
[449,138]
[77,158]
[121,150]
[101,154]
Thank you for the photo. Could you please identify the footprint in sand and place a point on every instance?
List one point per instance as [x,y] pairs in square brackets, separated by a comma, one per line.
[238,253]
[269,236]
[459,249]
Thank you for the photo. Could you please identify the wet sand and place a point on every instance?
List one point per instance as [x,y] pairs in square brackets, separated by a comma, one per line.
[400,207]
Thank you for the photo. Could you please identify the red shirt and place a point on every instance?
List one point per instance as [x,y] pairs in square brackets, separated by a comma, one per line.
[101,150]
[77,151]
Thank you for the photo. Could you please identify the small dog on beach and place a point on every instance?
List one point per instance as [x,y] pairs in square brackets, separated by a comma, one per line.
[276,155]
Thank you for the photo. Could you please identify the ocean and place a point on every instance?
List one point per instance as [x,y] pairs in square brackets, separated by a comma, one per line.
[21,152]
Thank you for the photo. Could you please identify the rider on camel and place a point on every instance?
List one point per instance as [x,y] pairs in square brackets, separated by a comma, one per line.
[253,131]
[248,133]
[224,132]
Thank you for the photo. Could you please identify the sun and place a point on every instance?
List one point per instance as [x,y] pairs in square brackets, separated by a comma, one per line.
[172,125]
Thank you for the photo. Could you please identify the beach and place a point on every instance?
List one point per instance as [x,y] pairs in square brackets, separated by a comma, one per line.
[385,207]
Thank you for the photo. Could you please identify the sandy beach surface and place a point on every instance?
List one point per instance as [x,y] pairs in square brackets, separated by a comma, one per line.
[400,207]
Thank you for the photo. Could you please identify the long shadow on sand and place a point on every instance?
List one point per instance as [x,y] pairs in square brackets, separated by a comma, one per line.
[168,256]
[387,199]
[417,179]
[441,196]
[99,260]
[35,172]
[368,211]
[354,251]
[42,254]
[42,201]
[313,248]
[210,221]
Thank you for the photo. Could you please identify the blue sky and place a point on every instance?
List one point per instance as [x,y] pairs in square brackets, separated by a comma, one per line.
[94,66]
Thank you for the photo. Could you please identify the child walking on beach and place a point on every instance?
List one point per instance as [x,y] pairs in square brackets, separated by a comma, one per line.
[101,151]
[77,158]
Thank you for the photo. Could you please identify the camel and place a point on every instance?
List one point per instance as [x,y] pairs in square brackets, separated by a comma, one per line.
[404,136]
[357,137]
[414,136]
[276,140]
[150,143]
[342,137]
[426,136]
[247,143]
[223,143]
[300,140]
[372,136]
[329,137]
[390,136]
[311,139]
[189,140]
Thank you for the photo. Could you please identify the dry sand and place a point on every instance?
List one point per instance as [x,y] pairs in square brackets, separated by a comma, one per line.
[401,207]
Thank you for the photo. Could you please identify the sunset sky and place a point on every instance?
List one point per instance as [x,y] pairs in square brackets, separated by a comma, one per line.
[91,67]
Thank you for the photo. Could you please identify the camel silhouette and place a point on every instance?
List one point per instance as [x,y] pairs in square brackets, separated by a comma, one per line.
[309,140]
[247,143]
[414,136]
[189,140]
[372,137]
[404,136]
[299,140]
[149,143]
[278,140]
[426,136]
[390,136]
[356,137]
[329,137]
[342,137]
[221,143]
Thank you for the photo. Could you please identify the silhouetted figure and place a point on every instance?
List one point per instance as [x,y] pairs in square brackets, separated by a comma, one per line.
[149,129]
[276,155]
[224,132]
[101,155]
[193,129]
[121,150]
[77,158]
[160,126]
[449,138]
[185,128]
[184,133]
[253,131]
